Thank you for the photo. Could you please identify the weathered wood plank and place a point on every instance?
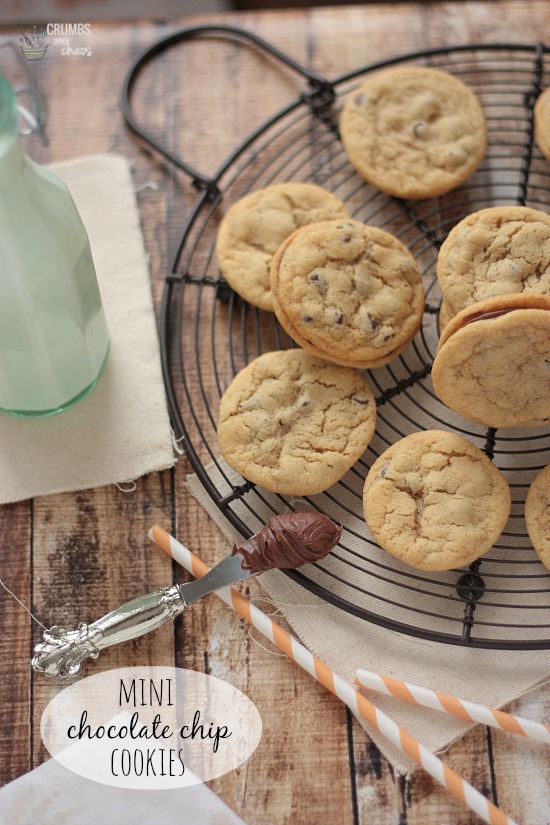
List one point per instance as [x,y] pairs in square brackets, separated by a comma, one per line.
[419,799]
[15,640]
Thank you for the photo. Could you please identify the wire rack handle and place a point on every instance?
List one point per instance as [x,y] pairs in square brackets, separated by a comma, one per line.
[321,91]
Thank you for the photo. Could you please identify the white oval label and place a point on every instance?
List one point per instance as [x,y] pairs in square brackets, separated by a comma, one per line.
[151,727]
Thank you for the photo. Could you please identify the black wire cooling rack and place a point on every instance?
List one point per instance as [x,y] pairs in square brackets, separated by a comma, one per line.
[503,599]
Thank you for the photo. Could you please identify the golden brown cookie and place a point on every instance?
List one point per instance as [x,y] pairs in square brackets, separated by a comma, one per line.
[347,292]
[537,515]
[255,226]
[493,362]
[293,423]
[435,501]
[542,122]
[413,132]
[497,251]
[444,316]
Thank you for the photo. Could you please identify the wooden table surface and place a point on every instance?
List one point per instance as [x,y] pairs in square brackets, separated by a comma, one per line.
[59,553]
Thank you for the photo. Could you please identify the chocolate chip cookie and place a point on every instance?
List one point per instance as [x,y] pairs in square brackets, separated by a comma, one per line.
[413,132]
[497,251]
[347,292]
[255,226]
[435,500]
[294,423]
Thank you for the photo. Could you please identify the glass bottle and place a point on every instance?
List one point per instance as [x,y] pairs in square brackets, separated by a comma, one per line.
[54,340]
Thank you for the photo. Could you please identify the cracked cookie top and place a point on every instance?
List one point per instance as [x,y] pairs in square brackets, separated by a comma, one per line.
[493,362]
[294,423]
[497,251]
[347,292]
[413,132]
[435,501]
[255,226]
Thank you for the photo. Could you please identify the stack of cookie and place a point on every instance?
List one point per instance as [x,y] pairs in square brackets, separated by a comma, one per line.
[493,361]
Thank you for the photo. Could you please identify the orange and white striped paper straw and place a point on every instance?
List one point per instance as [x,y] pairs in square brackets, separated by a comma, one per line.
[320,671]
[462,708]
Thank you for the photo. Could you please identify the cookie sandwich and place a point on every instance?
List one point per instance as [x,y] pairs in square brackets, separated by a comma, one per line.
[493,362]
[347,292]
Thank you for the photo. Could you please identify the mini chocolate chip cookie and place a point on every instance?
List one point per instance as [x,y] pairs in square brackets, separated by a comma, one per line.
[493,362]
[413,132]
[502,250]
[435,500]
[255,226]
[293,423]
[537,515]
[347,292]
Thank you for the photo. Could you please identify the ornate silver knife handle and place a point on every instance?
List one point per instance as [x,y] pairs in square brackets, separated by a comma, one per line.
[63,651]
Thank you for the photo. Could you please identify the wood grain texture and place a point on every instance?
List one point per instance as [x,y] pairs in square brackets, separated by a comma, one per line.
[76,556]
[16,720]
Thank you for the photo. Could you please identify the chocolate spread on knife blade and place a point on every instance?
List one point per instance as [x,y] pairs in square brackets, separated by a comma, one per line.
[289,540]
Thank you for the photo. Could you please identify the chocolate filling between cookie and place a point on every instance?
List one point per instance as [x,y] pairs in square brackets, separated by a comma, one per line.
[489,316]
[482,316]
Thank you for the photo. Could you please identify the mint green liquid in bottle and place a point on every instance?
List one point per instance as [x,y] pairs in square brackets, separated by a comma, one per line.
[54,340]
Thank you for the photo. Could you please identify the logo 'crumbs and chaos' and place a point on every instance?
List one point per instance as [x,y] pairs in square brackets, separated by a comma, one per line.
[33,44]
[34,47]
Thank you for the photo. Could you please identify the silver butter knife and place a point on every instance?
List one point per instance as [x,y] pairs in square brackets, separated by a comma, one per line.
[286,541]
[63,651]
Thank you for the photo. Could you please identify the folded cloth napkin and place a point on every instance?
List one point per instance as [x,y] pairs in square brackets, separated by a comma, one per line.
[122,429]
[53,795]
[347,643]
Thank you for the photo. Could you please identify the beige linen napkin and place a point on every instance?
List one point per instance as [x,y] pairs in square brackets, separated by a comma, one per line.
[346,643]
[121,430]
